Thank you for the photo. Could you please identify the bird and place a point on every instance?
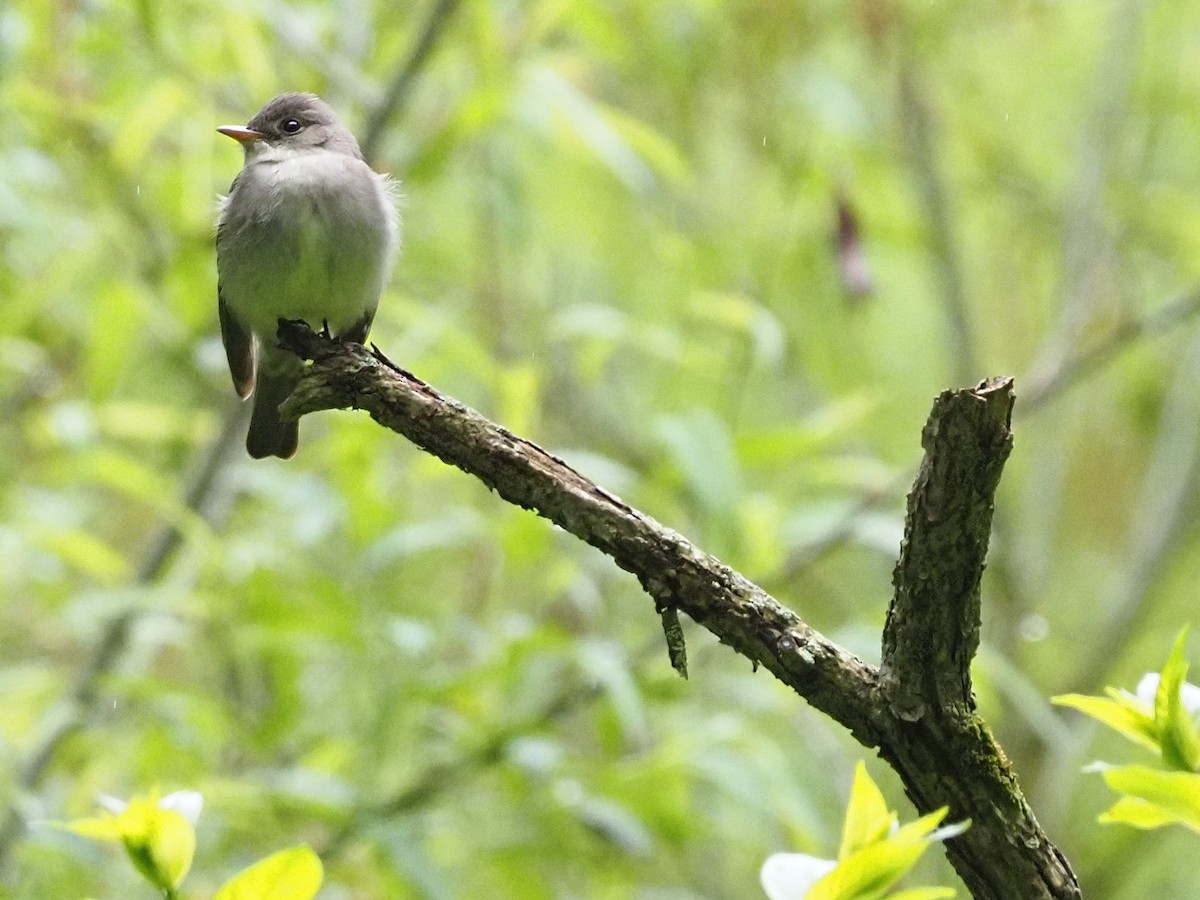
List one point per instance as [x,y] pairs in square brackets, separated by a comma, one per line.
[308,231]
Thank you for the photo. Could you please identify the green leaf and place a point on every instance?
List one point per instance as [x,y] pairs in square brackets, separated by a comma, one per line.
[1120,712]
[160,842]
[98,828]
[293,874]
[867,817]
[875,854]
[870,872]
[1177,731]
[1175,796]
[1138,813]
[85,552]
[921,828]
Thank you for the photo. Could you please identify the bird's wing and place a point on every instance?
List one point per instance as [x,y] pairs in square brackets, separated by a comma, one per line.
[239,349]
[239,343]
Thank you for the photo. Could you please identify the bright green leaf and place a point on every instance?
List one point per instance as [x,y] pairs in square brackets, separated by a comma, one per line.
[98,828]
[160,842]
[921,828]
[870,872]
[86,552]
[867,817]
[1138,813]
[1177,731]
[293,874]
[1118,711]
[1176,794]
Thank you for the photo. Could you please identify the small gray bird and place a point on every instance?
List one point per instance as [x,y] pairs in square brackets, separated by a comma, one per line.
[308,231]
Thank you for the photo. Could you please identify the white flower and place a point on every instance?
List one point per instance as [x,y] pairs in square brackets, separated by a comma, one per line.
[187,803]
[790,876]
[1147,688]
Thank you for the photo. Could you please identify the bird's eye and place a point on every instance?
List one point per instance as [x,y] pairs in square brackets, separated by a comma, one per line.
[290,126]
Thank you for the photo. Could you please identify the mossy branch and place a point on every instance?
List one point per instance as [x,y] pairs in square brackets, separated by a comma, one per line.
[923,724]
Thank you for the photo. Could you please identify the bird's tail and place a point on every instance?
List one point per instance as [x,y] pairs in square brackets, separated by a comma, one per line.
[269,435]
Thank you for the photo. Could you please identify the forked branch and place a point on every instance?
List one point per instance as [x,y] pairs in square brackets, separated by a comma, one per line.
[923,723]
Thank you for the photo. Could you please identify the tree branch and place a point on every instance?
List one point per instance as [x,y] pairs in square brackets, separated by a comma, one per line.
[943,752]
[921,145]
[932,629]
[396,96]
[1070,371]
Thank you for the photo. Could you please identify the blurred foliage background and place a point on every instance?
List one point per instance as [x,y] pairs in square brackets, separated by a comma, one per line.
[621,241]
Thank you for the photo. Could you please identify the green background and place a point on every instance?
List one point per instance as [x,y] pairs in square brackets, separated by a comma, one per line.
[619,243]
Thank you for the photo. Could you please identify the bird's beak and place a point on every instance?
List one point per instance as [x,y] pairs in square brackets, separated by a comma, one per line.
[241,133]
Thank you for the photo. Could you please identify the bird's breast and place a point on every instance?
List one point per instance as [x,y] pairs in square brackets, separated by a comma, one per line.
[309,238]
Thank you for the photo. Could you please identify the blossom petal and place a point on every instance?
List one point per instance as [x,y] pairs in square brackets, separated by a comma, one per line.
[789,876]
[187,803]
[112,804]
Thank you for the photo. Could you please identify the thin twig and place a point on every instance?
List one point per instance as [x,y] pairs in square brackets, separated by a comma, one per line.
[1072,370]
[1162,515]
[1087,249]
[400,88]
[931,186]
